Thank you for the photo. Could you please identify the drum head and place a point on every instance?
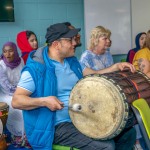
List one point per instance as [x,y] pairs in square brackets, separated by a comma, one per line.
[103,108]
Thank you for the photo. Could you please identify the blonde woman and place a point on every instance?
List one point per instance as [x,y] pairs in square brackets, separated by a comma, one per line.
[97,57]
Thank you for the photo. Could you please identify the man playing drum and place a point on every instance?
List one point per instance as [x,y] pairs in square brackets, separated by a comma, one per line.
[44,89]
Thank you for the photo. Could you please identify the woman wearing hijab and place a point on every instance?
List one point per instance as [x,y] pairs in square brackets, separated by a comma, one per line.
[27,42]
[10,66]
[10,69]
[139,41]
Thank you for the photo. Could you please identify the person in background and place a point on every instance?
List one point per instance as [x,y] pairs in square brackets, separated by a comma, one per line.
[27,42]
[10,66]
[44,89]
[78,36]
[139,41]
[141,59]
[10,70]
[141,62]
[97,57]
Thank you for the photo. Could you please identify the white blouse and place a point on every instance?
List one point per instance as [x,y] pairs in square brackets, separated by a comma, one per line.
[15,123]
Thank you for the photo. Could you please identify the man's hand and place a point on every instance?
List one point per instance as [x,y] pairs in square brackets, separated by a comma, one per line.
[22,100]
[52,103]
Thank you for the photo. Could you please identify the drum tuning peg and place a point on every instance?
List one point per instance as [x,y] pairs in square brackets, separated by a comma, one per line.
[75,107]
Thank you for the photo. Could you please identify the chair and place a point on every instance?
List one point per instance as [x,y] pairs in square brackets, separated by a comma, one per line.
[55,147]
[142,112]
[123,60]
[59,147]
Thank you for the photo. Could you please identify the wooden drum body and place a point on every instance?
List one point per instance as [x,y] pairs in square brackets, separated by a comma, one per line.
[4,108]
[105,102]
[3,144]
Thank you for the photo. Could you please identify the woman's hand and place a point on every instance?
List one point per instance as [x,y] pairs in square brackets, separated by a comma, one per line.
[123,66]
[116,67]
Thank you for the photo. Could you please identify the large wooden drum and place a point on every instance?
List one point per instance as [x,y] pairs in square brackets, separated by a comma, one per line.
[105,100]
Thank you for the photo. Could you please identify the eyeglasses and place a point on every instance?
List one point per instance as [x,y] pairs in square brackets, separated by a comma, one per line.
[69,39]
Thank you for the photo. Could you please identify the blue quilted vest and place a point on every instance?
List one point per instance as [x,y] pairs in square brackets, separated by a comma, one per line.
[39,123]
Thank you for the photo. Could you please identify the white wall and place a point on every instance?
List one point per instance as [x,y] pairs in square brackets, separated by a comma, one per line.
[114,15]
[140,17]
[125,18]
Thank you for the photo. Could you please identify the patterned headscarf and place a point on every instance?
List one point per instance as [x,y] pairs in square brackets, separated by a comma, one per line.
[17,59]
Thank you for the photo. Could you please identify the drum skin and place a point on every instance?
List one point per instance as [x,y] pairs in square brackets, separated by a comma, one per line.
[105,101]
[102,110]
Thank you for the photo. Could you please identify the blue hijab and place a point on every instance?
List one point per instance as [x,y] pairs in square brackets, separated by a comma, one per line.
[137,41]
[132,52]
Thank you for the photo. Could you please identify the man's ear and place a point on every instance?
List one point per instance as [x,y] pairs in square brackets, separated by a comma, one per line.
[55,44]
